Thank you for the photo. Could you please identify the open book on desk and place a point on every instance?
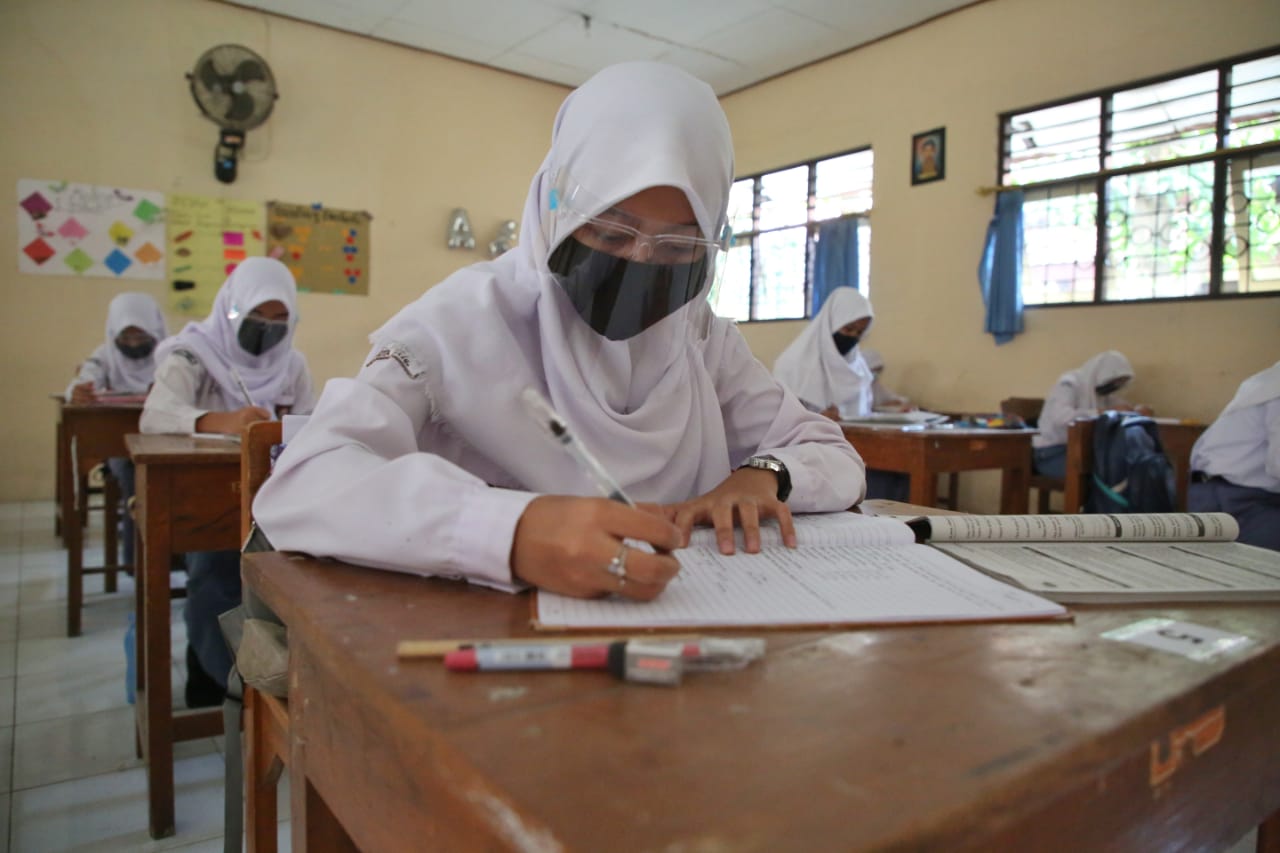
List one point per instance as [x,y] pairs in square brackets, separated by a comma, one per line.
[848,570]
[1173,557]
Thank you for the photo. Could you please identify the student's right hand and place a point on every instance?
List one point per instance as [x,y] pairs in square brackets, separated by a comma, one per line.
[82,393]
[831,412]
[565,544]
[231,423]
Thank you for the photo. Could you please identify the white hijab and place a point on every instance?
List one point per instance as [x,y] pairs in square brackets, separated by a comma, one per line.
[814,369]
[646,406]
[132,309]
[269,377]
[1099,370]
[1256,390]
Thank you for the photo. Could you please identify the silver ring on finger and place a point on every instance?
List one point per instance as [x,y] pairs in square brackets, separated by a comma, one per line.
[618,565]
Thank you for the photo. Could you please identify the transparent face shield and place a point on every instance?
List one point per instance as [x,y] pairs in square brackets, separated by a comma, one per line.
[622,272]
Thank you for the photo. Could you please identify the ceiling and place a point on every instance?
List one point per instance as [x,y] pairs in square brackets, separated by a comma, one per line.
[731,44]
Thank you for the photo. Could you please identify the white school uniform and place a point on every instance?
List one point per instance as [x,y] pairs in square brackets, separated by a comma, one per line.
[108,368]
[425,461]
[1243,445]
[1074,397]
[815,371]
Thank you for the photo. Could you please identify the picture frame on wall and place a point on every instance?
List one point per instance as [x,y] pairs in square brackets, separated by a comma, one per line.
[929,156]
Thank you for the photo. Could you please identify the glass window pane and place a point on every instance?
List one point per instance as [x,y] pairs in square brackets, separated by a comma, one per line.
[1057,142]
[1175,118]
[780,280]
[864,257]
[1159,226]
[1254,115]
[741,202]
[1251,234]
[843,185]
[784,198]
[1059,237]
[731,295]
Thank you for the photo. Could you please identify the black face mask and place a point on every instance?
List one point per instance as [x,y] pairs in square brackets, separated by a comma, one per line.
[619,298]
[136,351]
[844,343]
[257,336]
[1108,389]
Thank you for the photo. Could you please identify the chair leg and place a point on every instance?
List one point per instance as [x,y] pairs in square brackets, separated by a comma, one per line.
[1042,497]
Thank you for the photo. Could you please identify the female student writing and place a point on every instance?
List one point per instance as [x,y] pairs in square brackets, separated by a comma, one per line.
[123,364]
[1235,464]
[1080,393]
[883,399]
[235,367]
[427,461]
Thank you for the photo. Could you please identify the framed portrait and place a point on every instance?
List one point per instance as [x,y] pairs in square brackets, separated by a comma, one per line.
[929,156]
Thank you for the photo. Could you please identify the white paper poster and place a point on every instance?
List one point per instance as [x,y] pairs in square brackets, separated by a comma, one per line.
[89,230]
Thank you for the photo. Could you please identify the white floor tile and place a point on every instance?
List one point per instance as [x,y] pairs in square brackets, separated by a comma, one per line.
[6,759]
[108,813]
[8,656]
[86,745]
[4,823]
[100,614]
[284,842]
[78,690]
[59,654]
[11,509]
[6,701]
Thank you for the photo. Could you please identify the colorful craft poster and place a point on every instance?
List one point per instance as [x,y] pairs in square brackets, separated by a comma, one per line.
[327,249]
[83,229]
[207,238]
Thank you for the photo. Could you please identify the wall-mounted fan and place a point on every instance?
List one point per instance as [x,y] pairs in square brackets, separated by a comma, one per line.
[235,90]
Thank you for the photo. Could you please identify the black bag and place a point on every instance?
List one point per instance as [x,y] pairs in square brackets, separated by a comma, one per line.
[1130,470]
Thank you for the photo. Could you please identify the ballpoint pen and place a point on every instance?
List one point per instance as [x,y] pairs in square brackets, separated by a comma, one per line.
[547,418]
[248,398]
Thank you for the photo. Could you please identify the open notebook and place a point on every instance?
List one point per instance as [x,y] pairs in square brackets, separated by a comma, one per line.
[856,570]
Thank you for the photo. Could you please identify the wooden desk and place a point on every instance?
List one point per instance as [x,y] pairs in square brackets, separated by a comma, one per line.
[1177,438]
[188,500]
[992,737]
[924,454]
[88,435]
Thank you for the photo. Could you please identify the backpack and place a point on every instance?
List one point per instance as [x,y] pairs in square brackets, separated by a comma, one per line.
[1130,470]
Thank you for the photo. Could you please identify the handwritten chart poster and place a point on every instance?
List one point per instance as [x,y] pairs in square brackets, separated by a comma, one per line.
[327,249]
[207,238]
[88,230]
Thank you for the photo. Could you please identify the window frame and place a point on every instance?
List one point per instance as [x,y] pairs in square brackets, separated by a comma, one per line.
[1219,157]
[810,225]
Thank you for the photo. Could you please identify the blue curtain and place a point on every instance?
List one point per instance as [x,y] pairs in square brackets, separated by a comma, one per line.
[1000,271]
[835,264]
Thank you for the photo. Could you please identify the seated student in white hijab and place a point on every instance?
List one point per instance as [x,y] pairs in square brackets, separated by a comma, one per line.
[1081,393]
[601,308]
[244,347]
[882,399]
[825,368]
[123,364]
[1235,464]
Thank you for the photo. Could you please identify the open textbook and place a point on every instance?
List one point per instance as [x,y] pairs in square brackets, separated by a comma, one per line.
[853,569]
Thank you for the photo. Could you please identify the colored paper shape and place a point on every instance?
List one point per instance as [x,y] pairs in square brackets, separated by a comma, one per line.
[121,233]
[232,238]
[36,205]
[148,253]
[72,229]
[78,260]
[147,212]
[117,261]
[201,230]
[38,250]
[233,254]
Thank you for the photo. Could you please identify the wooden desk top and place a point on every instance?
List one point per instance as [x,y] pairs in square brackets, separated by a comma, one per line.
[181,449]
[1038,736]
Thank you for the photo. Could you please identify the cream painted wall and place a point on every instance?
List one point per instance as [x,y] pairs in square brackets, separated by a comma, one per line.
[97,94]
[960,72]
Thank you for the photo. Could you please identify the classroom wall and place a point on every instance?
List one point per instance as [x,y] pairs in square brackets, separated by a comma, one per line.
[961,71]
[97,94]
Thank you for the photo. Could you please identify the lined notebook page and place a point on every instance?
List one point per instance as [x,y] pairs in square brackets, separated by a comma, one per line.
[811,585]
[824,528]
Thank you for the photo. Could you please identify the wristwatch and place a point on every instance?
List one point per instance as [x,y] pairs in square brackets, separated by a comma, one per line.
[771,463]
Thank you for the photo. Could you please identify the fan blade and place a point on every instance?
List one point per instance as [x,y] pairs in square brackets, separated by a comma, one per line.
[210,79]
[250,70]
[241,107]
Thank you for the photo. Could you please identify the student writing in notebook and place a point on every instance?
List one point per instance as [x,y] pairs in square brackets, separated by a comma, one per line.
[427,462]
[236,366]
[1235,464]
[1082,393]
[124,363]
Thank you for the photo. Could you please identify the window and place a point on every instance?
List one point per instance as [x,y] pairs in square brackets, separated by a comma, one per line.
[775,218]
[1163,190]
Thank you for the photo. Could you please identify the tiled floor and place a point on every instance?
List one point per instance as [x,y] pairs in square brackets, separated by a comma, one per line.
[69,779]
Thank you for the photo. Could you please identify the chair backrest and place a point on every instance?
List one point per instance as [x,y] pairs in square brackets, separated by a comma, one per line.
[1027,408]
[255,465]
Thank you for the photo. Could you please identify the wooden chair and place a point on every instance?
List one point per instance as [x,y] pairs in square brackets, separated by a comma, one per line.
[266,718]
[1028,409]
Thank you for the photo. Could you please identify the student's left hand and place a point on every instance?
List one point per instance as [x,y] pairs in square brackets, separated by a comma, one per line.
[749,494]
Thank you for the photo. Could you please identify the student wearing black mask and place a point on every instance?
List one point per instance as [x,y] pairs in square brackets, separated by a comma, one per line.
[824,365]
[244,347]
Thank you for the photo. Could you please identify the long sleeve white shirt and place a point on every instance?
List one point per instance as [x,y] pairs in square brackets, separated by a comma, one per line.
[1066,403]
[1243,446]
